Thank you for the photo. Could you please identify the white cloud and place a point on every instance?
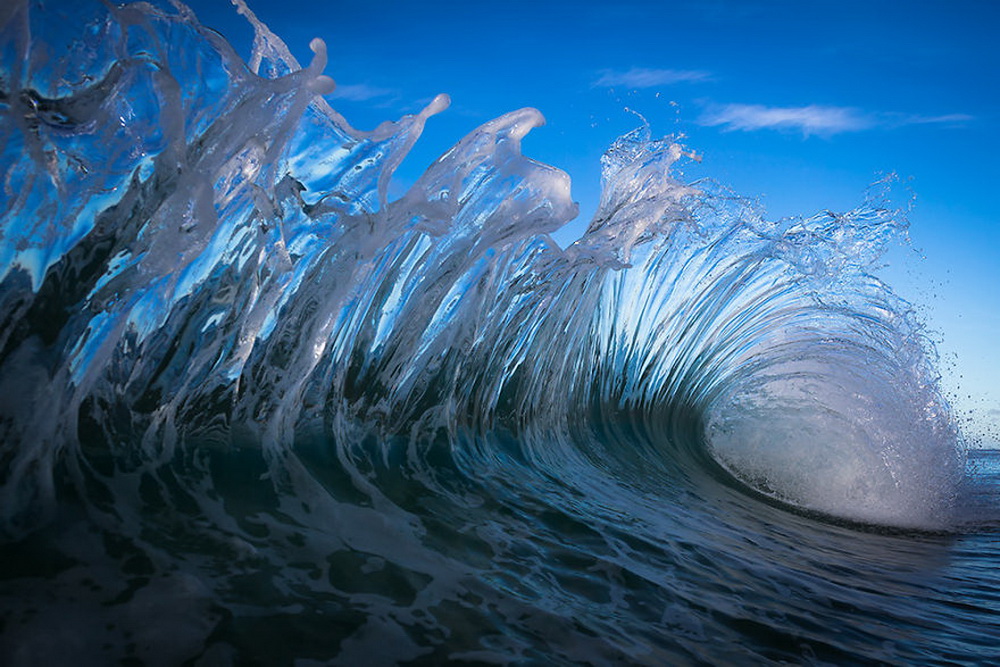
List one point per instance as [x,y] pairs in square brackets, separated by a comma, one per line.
[814,119]
[946,119]
[360,92]
[641,77]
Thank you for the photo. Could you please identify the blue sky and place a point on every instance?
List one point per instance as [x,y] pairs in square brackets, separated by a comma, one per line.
[802,103]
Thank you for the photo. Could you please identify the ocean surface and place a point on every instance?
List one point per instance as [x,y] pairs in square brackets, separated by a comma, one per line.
[253,410]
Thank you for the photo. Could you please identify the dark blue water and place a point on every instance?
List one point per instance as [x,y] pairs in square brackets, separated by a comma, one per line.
[255,411]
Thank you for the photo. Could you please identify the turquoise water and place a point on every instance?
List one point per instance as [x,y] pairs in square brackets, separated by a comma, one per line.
[253,410]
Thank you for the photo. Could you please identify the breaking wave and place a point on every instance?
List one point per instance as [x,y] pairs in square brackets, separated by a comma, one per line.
[218,328]
[197,250]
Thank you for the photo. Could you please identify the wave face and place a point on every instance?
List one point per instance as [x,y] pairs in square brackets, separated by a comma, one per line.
[255,402]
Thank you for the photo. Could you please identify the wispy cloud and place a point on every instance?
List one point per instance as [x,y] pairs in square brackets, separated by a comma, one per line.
[899,120]
[360,92]
[814,119]
[810,119]
[642,77]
